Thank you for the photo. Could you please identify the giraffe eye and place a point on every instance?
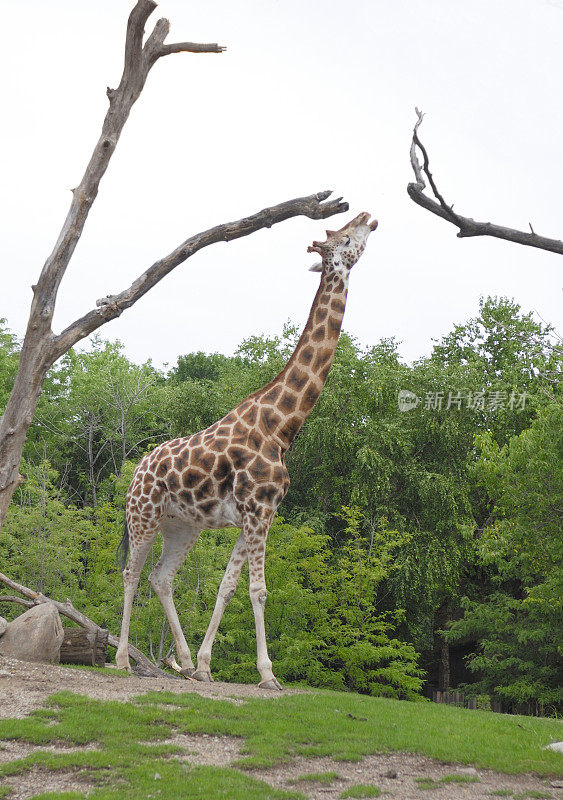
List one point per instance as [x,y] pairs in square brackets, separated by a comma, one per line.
[347,242]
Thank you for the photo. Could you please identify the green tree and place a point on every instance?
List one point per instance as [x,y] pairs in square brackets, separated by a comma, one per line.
[519,624]
[8,361]
[97,411]
[204,387]
[44,543]
[322,623]
[506,351]
[430,518]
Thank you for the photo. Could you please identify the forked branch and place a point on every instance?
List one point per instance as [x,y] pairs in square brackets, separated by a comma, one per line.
[467,226]
[138,62]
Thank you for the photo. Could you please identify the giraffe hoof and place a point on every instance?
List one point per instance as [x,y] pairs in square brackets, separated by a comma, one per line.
[202,675]
[273,684]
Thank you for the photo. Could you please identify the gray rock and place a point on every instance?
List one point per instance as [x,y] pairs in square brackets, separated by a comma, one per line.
[36,635]
[3,625]
[557,746]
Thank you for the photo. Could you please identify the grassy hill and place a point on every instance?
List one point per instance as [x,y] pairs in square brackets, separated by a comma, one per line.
[130,740]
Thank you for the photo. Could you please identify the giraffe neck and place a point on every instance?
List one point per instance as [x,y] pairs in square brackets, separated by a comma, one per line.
[289,399]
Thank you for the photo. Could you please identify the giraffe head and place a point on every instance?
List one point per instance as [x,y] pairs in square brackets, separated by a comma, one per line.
[343,247]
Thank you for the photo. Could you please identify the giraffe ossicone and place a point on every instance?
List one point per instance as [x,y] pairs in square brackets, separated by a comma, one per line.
[233,473]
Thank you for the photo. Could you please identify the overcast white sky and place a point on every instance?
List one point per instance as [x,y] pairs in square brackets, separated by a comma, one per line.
[308,96]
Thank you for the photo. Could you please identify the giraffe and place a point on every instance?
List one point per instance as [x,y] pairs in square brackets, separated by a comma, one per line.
[233,473]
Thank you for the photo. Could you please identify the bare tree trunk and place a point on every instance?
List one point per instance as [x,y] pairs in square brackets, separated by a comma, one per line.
[18,416]
[90,452]
[163,632]
[441,647]
[42,347]
[43,528]
[123,440]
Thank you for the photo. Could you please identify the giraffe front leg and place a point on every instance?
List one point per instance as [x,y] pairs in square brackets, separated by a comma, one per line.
[255,533]
[226,591]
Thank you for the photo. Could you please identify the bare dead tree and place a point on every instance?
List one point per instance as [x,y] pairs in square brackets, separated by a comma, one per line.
[41,346]
[467,226]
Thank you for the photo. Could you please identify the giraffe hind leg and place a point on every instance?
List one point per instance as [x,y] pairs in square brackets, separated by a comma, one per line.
[140,544]
[255,531]
[177,540]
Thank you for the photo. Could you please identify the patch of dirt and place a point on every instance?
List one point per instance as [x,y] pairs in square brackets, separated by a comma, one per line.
[377,770]
[12,749]
[204,748]
[25,686]
[37,781]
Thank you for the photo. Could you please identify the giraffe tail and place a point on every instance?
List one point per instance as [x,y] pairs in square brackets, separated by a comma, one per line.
[123,548]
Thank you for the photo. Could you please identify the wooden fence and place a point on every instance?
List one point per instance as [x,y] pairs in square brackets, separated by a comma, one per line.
[454,698]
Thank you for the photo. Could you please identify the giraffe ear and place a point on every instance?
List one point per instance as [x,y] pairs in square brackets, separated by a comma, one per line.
[318,267]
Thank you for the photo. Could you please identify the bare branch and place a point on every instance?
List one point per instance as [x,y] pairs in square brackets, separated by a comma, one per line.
[135,32]
[191,47]
[153,46]
[138,62]
[18,587]
[10,598]
[136,28]
[112,306]
[467,226]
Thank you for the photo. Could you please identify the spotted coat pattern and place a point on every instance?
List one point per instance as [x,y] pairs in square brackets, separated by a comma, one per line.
[233,473]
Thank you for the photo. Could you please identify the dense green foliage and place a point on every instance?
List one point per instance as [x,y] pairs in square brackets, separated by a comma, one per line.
[406,536]
[519,625]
